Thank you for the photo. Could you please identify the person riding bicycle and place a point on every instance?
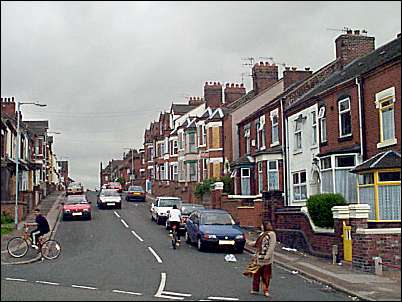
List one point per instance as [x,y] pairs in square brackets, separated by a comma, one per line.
[174,220]
[42,227]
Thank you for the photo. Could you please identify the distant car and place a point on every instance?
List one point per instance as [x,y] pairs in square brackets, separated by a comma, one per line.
[116,186]
[76,206]
[214,228]
[186,209]
[135,193]
[109,198]
[161,206]
[75,188]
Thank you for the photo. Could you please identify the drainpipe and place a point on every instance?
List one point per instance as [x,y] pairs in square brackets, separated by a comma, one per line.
[284,153]
[359,83]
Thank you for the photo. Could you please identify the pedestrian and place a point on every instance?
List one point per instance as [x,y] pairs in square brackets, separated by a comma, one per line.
[264,256]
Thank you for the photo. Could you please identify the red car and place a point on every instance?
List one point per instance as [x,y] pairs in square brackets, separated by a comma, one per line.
[116,186]
[76,206]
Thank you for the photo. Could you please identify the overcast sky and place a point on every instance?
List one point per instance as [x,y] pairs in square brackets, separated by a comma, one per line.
[106,69]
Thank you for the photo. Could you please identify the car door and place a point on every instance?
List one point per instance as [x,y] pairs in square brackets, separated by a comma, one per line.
[193,225]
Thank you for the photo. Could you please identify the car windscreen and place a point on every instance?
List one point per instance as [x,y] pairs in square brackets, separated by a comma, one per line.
[136,189]
[217,219]
[109,193]
[75,200]
[168,202]
[187,210]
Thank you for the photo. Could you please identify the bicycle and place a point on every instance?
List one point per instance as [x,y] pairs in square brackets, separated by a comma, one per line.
[174,236]
[17,247]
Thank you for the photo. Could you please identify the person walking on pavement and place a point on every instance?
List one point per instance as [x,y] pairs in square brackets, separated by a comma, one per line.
[42,227]
[265,245]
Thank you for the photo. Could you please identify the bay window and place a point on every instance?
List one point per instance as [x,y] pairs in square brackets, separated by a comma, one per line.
[260,177]
[245,181]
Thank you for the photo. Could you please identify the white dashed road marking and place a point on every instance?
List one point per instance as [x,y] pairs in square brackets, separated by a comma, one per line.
[116,214]
[136,235]
[15,279]
[155,255]
[123,222]
[223,298]
[46,282]
[84,287]
[124,292]
[164,294]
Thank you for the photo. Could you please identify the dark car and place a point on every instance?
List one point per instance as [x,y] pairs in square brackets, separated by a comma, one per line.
[210,228]
[76,206]
[135,193]
[186,209]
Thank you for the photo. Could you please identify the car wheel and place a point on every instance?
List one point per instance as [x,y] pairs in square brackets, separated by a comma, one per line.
[200,246]
[188,239]
[152,217]
[158,220]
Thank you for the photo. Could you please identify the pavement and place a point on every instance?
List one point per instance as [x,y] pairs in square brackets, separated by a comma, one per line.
[50,207]
[363,286]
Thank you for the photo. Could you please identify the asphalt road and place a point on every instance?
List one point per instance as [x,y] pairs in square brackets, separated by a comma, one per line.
[121,255]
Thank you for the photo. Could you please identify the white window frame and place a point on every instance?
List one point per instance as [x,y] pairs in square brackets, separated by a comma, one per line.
[274,114]
[342,112]
[245,177]
[323,121]
[387,95]
[299,185]
[247,138]
[204,168]
[314,140]
[175,172]
[298,132]
[260,177]
[276,171]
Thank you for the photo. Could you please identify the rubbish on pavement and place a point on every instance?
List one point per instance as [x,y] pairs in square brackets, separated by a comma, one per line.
[289,249]
[295,272]
[230,258]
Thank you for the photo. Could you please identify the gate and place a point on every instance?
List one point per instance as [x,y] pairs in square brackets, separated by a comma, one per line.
[347,242]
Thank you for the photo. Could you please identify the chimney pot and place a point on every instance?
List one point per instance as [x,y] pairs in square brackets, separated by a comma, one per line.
[287,68]
[219,83]
[232,85]
[237,85]
[307,68]
[12,99]
[262,63]
[227,84]
[398,35]
[294,68]
[241,85]
[357,32]
[267,63]
[349,31]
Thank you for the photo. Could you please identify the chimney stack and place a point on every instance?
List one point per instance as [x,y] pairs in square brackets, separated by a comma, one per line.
[8,106]
[196,101]
[292,76]
[351,46]
[234,92]
[264,76]
[213,94]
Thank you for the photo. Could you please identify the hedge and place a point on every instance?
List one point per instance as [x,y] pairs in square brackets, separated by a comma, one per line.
[319,208]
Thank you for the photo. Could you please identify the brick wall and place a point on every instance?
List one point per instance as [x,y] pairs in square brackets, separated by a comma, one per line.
[247,216]
[174,188]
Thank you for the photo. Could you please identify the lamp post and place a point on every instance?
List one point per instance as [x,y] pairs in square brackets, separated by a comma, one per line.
[18,153]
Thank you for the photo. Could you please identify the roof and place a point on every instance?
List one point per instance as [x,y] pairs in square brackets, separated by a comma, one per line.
[245,160]
[182,108]
[373,60]
[241,101]
[385,160]
[37,127]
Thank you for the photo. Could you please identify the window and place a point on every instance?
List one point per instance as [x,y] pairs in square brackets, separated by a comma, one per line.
[298,135]
[204,135]
[275,127]
[327,180]
[299,186]
[245,181]
[174,147]
[273,175]
[192,170]
[260,129]
[175,172]
[345,161]
[191,142]
[387,120]
[313,128]
[323,125]
[204,168]
[257,133]
[260,179]
[345,118]
[247,138]
[389,176]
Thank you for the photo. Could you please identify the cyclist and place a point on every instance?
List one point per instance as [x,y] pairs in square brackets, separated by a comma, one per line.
[42,227]
[174,220]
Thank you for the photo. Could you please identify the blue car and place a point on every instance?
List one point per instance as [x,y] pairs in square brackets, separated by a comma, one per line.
[213,228]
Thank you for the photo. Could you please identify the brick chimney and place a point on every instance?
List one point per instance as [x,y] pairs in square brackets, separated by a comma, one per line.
[291,76]
[264,76]
[196,101]
[8,106]
[213,94]
[353,45]
[233,92]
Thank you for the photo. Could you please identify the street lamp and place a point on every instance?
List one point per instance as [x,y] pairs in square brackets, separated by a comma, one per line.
[132,164]
[17,155]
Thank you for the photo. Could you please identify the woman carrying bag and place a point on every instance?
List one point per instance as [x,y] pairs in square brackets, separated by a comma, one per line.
[261,266]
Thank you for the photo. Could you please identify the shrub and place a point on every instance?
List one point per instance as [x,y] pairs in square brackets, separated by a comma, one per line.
[6,218]
[228,186]
[319,208]
[204,187]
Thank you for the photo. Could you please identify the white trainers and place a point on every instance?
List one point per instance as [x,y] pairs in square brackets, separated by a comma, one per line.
[35,247]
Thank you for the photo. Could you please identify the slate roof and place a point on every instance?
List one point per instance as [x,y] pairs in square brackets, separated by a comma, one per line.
[376,58]
[241,101]
[182,108]
[388,159]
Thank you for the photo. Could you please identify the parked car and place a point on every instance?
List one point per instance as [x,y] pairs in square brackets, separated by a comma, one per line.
[186,209]
[76,206]
[75,188]
[115,186]
[161,206]
[109,198]
[214,228]
[135,193]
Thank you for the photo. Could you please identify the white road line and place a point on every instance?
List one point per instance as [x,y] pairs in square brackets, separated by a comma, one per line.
[124,292]
[223,298]
[161,285]
[170,297]
[85,287]
[176,294]
[46,282]
[157,258]
[123,222]
[116,214]
[15,279]
[136,235]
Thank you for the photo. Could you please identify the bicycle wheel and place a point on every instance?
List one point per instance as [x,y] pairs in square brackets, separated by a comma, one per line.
[17,247]
[174,239]
[50,249]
